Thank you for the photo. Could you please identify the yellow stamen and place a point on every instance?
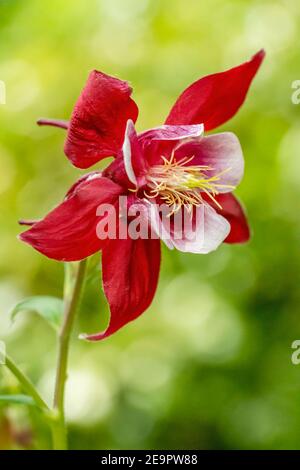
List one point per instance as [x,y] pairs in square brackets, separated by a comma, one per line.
[179,184]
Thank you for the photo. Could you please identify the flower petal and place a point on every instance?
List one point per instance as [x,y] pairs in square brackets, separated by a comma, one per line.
[233,211]
[68,232]
[117,173]
[161,141]
[222,153]
[134,163]
[166,132]
[158,224]
[201,232]
[87,177]
[130,270]
[98,122]
[129,168]
[215,98]
[205,236]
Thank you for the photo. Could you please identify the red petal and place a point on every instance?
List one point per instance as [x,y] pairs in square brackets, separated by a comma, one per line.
[88,176]
[234,213]
[99,120]
[214,99]
[116,172]
[68,232]
[130,274]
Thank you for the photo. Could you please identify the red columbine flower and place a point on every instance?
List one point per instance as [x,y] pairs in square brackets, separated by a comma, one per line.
[174,164]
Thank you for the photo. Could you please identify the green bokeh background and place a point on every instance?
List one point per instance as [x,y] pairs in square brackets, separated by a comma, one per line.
[209,364]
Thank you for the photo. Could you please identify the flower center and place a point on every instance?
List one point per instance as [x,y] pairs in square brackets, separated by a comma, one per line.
[179,184]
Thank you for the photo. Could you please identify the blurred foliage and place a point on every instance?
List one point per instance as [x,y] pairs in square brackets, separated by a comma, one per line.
[209,364]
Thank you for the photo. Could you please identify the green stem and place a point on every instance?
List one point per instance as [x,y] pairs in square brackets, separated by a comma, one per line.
[71,303]
[26,383]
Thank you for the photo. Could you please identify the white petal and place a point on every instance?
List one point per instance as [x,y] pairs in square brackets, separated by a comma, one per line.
[169,132]
[210,231]
[157,225]
[127,151]
[221,152]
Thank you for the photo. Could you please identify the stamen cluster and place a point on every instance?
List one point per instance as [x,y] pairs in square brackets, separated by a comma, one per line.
[180,184]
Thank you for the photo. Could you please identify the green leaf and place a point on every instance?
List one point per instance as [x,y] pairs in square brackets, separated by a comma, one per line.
[50,308]
[17,399]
